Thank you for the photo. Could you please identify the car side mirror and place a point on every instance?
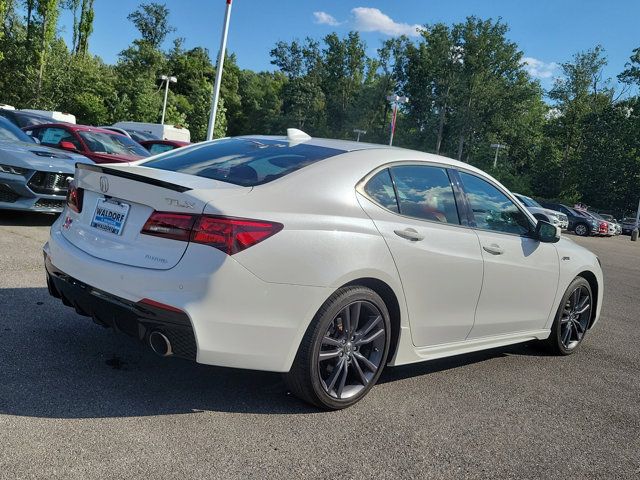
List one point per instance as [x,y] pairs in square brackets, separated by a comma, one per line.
[547,233]
[68,146]
[36,140]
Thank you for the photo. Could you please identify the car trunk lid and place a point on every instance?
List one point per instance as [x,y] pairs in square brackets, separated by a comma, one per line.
[117,201]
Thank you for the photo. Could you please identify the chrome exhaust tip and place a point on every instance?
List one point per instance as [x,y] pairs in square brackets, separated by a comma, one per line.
[160,344]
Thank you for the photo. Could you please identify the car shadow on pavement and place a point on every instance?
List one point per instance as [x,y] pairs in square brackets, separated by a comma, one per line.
[26,219]
[57,364]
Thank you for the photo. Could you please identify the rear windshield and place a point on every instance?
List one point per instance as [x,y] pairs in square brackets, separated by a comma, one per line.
[242,161]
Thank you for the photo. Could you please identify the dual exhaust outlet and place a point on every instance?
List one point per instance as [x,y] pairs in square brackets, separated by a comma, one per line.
[160,344]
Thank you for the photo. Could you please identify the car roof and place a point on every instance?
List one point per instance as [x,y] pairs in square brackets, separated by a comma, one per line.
[78,128]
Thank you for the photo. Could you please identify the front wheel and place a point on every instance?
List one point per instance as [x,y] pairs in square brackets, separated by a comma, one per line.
[582,230]
[343,351]
[572,319]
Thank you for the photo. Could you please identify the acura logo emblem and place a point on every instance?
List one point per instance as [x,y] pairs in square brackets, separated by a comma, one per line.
[104,184]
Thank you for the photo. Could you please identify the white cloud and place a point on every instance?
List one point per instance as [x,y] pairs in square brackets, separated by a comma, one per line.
[373,20]
[539,69]
[323,18]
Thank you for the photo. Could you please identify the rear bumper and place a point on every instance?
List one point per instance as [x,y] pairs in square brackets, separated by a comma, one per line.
[237,319]
[135,319]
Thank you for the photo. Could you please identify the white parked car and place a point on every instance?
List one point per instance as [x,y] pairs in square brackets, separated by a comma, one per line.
[554,217]
[323,259]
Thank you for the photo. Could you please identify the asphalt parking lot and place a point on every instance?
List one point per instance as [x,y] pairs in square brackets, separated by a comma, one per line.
[79,401]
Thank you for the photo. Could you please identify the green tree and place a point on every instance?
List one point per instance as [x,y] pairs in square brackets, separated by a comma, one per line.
[151,20]
[48,11]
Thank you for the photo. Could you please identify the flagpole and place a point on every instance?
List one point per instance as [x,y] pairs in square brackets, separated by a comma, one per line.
[395,101]
[216,87]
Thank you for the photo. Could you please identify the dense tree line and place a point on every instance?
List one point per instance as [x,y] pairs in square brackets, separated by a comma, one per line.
[467,85]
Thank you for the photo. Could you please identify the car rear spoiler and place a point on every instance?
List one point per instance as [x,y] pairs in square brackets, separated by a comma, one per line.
[132,176]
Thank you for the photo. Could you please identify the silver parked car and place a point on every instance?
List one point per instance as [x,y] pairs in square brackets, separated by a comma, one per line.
[557,219]
[33,177]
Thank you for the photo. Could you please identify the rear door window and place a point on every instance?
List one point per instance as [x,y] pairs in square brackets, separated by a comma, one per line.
[425,192]
[242,161]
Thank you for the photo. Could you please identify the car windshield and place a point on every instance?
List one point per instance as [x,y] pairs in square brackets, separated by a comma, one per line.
[242,161]
[112,144]
[10,133]
[528,201]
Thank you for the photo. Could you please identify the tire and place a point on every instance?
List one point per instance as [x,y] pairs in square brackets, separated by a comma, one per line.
[335,367]
[574,314]
[582,230]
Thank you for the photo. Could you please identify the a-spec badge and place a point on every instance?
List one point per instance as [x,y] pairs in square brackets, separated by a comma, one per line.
[104,184]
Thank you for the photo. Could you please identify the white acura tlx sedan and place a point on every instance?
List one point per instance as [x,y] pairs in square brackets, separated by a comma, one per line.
[322,259]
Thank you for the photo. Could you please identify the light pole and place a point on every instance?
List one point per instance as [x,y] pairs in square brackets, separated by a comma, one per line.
[359,132]
[216,86]
[168,80]
[497,146]
[395,101]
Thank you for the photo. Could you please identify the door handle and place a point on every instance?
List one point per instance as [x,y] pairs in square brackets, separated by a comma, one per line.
[493,249]
[409,234]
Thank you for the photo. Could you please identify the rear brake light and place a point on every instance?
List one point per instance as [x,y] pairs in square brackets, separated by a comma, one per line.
[229,235]
[75,196]
[232,235]
[176,226]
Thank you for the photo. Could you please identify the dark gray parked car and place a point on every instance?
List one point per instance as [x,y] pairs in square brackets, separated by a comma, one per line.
[33,177]
[579,223]
[628,224]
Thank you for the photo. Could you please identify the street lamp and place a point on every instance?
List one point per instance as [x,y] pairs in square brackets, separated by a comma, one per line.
[359,132]
[168,80]
[497,146]
[395,101]
[216,86]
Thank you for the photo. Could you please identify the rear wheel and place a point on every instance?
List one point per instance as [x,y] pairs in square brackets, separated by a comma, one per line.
[343,351]
[572,319]
[582,230]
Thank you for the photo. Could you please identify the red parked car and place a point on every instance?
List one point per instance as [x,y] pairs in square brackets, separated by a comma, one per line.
[98,144]
[160,146]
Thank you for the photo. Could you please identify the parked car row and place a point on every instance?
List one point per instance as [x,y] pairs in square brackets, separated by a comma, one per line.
[38,154]
[584,222]
[33,177]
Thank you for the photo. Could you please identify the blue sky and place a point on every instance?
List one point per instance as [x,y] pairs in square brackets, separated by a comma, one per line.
[548,32]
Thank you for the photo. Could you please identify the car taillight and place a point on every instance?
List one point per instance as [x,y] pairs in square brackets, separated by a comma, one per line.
[176,226]
[229,235]
[75,196]
[232,235]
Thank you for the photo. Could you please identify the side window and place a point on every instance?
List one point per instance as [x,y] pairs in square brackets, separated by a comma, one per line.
[53,136]
[380,189]
[425,192]
[157,148]
[492,209]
